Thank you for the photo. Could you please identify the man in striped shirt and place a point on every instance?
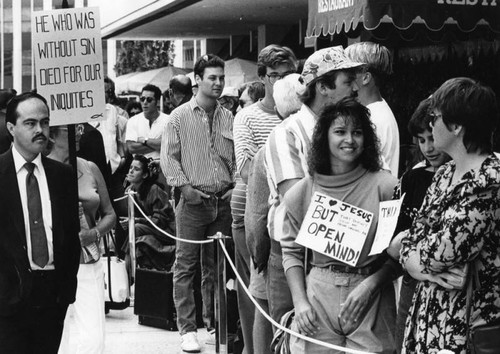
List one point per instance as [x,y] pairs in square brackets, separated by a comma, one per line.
[329,76]
[252,126]
[197,156]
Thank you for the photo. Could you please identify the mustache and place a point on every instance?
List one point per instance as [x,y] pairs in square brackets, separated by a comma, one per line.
[39,136]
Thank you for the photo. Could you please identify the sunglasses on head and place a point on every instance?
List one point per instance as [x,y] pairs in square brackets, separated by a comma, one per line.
[148,99]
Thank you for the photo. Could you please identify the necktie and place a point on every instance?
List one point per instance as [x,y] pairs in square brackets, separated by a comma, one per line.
[39,250]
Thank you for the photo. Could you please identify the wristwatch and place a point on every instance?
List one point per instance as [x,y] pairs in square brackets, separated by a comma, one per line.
[145,143]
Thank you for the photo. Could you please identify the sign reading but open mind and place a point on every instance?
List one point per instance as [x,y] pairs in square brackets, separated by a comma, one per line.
[67,48]
[335,229]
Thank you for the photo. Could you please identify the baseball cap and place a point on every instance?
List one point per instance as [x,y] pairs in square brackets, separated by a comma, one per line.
[326,60]
[229,91]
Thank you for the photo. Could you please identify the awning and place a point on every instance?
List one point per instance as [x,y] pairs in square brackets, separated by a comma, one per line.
[134,82]
[237,72]
[336,16]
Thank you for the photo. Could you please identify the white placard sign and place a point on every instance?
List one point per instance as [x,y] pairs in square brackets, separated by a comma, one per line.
[67,48]
[334,228]
[388,214]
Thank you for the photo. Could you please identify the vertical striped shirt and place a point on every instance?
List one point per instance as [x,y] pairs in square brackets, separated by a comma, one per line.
[190,154]
[252,126]
[287,150]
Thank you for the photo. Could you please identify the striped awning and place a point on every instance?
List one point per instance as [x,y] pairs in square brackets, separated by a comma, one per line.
[328,17]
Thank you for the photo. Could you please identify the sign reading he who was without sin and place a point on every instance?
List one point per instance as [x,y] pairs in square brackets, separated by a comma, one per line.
[67,48]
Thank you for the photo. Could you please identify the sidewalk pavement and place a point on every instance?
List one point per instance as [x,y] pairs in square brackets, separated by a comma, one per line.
[124,335]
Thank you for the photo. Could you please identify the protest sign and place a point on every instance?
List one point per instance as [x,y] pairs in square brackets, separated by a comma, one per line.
[335,229]
[388,215]
[67,48]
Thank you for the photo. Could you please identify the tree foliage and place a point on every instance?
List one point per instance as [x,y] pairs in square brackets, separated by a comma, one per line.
[136,56]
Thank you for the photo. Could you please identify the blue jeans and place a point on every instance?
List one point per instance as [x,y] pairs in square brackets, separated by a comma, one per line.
[406,293]
[262,331]
[245,305]
[327,291]
[196,222]
[278,293]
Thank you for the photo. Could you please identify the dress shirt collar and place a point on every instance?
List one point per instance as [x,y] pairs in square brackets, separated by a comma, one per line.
[194,105]
[19,160]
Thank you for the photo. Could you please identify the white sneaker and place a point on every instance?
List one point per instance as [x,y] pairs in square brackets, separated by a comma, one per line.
[189,343]
[210,337]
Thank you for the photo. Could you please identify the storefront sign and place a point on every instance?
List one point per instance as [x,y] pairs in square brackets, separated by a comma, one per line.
[333,5]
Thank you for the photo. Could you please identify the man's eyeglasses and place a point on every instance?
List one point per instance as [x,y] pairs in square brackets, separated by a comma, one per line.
[434,118]
[275,76]
[148,99]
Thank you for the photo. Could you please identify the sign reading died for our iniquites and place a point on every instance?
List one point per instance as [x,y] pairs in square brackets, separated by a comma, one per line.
[335,229]
[67,48]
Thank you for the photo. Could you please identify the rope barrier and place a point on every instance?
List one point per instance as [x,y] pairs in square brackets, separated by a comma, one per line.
[242,284]
[120,198]
[277,325]
[166,233]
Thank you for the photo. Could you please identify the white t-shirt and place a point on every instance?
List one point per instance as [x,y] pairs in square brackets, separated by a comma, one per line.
[138,126]
[110,130]
[388,134]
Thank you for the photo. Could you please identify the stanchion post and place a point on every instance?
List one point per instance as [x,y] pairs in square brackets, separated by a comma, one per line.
[131,232]
[220,296]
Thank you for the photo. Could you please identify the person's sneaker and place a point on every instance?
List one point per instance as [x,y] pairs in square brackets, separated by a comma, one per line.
[210,337]
[189,343]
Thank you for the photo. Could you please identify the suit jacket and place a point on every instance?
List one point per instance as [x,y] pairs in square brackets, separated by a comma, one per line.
[15,270]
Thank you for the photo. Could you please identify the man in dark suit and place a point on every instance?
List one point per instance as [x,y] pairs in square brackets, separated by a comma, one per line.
[39,226]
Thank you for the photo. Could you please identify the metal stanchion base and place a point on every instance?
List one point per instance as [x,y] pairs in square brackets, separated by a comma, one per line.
[220,297]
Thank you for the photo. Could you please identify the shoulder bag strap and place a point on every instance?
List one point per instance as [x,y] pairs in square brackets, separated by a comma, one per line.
[108,260]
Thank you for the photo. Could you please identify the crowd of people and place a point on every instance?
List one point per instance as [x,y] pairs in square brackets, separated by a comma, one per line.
[247,162]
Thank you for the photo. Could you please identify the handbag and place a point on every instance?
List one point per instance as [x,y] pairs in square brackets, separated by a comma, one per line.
[116,280]
[281,339]
[483,339]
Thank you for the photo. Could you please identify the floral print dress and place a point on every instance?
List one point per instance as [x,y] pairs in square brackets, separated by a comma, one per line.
[457,223]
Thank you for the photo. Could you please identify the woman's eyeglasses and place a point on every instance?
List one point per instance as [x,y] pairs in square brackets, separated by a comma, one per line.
[148,99]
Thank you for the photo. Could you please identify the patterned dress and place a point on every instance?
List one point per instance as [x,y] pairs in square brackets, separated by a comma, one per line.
[457,224]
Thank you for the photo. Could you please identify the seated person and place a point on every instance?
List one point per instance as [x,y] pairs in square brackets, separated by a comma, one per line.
[152,199]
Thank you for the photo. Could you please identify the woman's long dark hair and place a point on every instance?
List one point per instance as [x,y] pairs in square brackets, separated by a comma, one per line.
[150,180]
[319,157]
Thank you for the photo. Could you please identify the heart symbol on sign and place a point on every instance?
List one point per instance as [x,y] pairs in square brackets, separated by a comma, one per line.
[332,202]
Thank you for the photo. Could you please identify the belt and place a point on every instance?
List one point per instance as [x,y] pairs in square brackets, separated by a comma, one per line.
[217,195]
[368,270]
